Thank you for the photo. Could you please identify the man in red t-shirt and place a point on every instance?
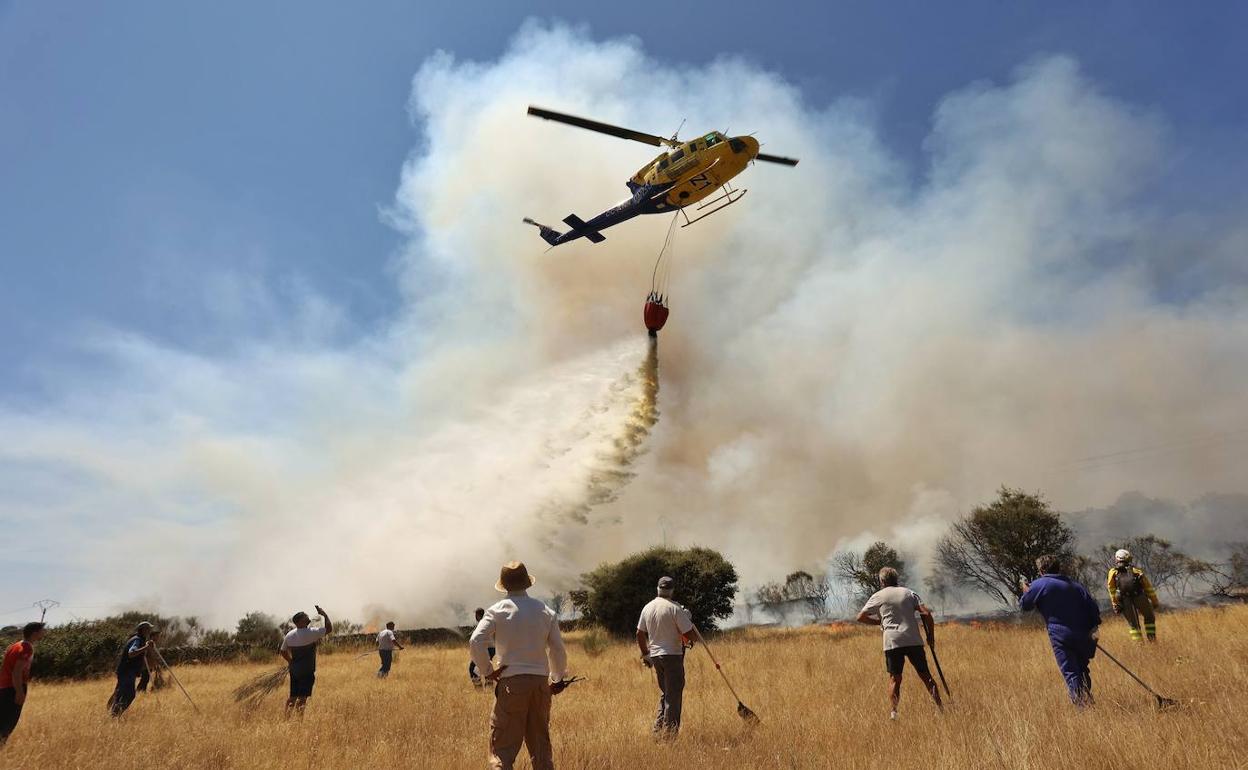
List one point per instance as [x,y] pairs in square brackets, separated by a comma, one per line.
[15,678]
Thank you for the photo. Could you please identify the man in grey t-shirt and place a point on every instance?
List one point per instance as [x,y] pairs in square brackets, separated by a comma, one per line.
[894,609]
[662,630]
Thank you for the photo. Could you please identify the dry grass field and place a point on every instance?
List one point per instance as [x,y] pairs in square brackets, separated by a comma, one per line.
[819,691]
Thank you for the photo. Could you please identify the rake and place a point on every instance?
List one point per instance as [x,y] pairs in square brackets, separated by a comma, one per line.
[1162,702]
[563,684]
[743,710]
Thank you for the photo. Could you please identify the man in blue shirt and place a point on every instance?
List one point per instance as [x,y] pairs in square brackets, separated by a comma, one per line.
[1073,618]
[130,668]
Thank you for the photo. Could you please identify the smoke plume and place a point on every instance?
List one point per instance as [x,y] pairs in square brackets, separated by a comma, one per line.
[852,352]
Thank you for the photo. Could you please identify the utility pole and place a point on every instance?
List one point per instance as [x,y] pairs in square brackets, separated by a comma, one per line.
[44,605]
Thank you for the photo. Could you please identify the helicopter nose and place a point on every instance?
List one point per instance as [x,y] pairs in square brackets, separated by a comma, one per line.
[746,144]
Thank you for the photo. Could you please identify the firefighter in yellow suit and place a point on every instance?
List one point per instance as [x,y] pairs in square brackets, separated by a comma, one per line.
[1132,595]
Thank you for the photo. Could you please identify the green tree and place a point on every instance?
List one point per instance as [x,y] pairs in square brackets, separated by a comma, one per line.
[257,628]
[811,591]
[996,545]
[863,572]
[557,603]
[615,593]
[214,636]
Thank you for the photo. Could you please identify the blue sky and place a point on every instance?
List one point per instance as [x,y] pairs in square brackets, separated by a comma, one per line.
[227,255]
[146,146]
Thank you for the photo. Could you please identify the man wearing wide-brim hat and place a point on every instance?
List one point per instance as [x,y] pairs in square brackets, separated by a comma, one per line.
[531,657]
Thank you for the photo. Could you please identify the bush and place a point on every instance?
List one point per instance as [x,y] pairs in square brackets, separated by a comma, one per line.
[595,641]
[258,628]
[91,647]
[615,593]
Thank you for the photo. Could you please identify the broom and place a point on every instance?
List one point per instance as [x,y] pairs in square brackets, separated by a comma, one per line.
[252,692]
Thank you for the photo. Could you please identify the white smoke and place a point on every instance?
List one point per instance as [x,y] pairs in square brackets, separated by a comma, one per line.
[850,354]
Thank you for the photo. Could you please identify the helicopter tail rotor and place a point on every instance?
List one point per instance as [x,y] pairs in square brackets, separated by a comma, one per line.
[549,234]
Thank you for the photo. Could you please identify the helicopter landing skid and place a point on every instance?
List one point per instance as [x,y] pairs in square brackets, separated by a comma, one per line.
[730,196]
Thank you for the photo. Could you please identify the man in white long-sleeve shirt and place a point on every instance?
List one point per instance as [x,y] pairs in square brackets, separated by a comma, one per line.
[531,657]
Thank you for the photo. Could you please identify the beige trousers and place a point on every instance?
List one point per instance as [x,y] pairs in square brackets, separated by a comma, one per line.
[521,716]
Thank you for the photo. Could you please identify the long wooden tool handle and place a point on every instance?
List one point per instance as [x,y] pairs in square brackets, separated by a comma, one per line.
[1129,672]
[707,647]
[176,681]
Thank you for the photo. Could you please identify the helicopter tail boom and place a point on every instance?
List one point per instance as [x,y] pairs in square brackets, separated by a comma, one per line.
[580,228]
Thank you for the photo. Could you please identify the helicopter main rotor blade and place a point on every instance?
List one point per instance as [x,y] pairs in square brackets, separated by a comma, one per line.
[602,128]
[776,159]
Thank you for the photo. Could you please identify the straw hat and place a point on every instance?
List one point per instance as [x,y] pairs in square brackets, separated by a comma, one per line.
[514,576]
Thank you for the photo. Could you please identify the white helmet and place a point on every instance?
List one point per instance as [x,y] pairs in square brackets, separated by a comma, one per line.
[1123,556]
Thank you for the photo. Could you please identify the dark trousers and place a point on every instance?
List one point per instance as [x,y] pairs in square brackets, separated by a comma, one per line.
[669,670]
[146,677]
[472,667]
[387,659]
[10,712]
[123,696]
[1073,653]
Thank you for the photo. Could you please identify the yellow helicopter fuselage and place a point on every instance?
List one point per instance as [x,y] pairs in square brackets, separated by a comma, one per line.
[697,168]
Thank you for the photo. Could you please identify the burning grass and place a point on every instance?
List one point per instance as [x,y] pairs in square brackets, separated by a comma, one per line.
[820,693]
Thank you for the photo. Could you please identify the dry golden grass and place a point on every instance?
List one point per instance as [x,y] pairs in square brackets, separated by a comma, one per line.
[820,693]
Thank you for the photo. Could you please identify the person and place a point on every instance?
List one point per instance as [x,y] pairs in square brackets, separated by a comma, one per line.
[1132,591]
[299,650]
[1073,621]
[897,609]
[130,668]
[386,644]
[662,630]
[151,662]
[472,666]
[15,678]
[532,666]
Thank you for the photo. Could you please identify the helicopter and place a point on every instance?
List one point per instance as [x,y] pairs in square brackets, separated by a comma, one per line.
[691,173]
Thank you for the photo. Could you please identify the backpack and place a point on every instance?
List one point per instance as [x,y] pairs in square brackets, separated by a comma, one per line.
[1128,582]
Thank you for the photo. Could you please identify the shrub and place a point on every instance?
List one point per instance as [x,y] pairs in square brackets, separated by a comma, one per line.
[90,647]
[595,641]
[258,628]
[615,593]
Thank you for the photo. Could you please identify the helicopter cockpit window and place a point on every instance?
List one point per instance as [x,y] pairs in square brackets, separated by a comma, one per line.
[711,140]
[678,155]
[664,163]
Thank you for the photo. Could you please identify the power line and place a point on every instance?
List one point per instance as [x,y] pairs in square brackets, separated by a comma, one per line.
[1126,456]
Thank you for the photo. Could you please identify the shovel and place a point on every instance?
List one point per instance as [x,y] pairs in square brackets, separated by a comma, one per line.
[743,710]
[1162,702]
